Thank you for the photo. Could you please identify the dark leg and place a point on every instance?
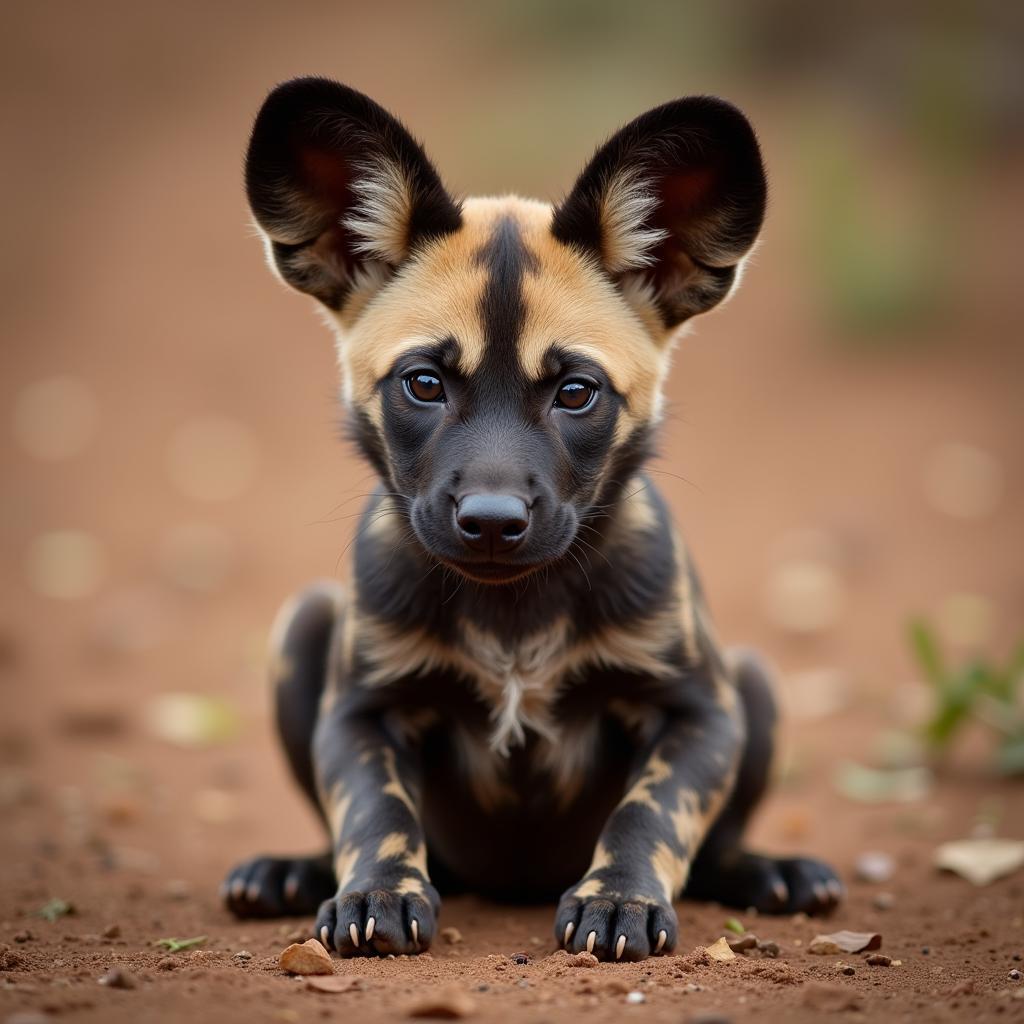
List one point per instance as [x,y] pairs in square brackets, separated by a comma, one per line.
[301,643]
[723,870]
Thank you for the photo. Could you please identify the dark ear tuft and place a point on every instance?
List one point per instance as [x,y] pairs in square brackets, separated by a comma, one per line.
[336,183]
[676,197]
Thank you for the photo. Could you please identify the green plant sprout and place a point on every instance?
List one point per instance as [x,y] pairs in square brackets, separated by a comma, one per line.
[978,689]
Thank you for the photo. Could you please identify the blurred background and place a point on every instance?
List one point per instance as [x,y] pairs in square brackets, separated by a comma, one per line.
[844,451]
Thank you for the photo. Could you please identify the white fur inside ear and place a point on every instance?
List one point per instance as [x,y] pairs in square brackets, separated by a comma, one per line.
[383,210]
[627,240]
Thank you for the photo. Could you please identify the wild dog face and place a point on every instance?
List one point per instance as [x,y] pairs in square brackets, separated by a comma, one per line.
[502,360]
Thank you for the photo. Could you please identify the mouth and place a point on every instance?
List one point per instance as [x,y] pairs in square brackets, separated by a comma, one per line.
[495,573]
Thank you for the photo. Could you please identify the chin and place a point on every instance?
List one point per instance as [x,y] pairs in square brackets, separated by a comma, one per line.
[495,574]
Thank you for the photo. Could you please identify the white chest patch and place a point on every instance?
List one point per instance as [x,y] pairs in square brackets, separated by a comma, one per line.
[520,683]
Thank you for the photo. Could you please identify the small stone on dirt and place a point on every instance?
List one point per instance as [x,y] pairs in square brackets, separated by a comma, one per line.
[521,958]
[874,866]
[24,936]
[308,957]
[116,977]
[849,969]
[720,950]
[877,960]
[582,959]
[883,901]
[1015,975]
[451,935]
[769,949]
[742,943]
[112,931]
[243,954]
[334,984]
[168,963]
[635,998]
[445,1004]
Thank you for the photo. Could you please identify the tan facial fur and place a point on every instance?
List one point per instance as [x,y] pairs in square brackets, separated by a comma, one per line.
[569,302]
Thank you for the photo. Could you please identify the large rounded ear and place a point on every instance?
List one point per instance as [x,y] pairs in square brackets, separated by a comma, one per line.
[339,188]
[675,198]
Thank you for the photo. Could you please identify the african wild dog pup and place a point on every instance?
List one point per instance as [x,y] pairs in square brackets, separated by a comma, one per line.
[520,692]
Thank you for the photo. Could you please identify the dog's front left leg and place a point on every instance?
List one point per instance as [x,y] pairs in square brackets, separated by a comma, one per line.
[370,792]
[622,908]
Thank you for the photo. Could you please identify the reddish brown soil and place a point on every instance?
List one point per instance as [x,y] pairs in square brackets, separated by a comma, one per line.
[128,265]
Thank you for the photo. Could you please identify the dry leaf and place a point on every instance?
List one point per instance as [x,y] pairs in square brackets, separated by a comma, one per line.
[720,950]
[844,942]
[981,861]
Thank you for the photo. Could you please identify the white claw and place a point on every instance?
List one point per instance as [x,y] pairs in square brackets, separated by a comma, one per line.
[781,891]
[291,888]
[591,939]
[820,892]
[353,933]
[414,927]
[662,938]
[237,888]
[569,929]
[252,893]
[620,946]
[371,923]
[835,888]
[324,932]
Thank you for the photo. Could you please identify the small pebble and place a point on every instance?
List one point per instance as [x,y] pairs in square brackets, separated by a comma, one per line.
[635,998]
[451,935]
[112,931]
[883,901]
[243,954]
[583,959]
[849,970]
[925,950]
[1015,975]
[878,960]
[449,1003]
[521,958]
[24,936]
[167,964]
[874,866]
[117,978]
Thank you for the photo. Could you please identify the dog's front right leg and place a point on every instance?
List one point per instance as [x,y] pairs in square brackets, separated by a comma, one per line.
[370,793]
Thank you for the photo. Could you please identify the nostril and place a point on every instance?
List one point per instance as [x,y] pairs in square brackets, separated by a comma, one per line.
[513,529]
[470,527]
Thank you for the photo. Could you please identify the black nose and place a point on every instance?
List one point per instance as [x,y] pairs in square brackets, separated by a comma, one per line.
[492,523]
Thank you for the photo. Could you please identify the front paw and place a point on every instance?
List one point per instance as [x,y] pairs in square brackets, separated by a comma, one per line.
[619,922]
[376,920]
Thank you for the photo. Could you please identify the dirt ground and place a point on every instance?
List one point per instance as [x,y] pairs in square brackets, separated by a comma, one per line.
[780,443]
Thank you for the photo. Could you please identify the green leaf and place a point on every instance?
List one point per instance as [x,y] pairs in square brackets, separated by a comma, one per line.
[177,945]
[735,926]
[54,909]
[926,648]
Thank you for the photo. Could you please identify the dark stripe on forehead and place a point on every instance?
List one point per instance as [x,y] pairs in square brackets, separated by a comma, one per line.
[502,306]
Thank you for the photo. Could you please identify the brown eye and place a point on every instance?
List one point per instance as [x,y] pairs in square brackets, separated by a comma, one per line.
[575,395]
[424,387]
